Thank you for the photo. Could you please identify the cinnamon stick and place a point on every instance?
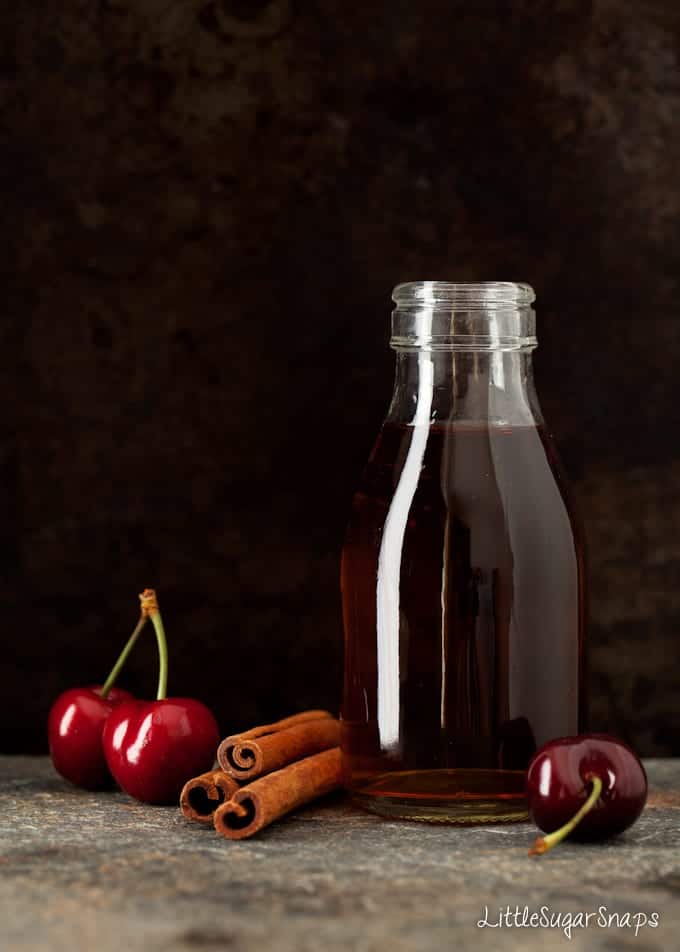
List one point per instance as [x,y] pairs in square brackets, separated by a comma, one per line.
[201,796]
[272,746]
[265,800]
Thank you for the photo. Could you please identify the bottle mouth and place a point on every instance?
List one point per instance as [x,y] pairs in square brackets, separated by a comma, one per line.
[483,295]
[445,315]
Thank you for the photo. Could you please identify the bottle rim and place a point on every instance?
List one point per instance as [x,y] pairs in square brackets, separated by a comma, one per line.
[481,295]
[446,315]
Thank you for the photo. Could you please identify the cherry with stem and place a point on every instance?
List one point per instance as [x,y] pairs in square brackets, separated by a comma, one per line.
[153,747]
[589,787]
[76,723]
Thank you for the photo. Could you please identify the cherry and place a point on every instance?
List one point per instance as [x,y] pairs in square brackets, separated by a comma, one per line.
[76,721]
[592,786]
[74,727]
[153,747]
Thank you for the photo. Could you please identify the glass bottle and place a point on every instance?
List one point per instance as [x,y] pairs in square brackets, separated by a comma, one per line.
[462,570]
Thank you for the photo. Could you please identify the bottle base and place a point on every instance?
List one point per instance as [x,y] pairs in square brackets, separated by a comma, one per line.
[465,797]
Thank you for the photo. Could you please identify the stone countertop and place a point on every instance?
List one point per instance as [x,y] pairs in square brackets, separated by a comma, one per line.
[81,871]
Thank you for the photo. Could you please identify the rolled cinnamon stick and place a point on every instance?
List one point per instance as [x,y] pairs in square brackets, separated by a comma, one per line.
[201,796]
[265,800]
[272,746]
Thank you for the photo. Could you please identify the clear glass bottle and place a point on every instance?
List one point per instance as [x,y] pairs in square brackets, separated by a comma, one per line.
[462,570]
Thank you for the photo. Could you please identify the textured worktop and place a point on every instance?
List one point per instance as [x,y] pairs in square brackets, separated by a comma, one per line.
[82,871]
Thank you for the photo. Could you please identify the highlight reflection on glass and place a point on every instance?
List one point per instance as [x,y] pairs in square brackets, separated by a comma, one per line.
[390,558]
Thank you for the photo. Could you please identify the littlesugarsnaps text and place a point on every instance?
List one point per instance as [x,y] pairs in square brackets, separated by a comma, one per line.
[523,917]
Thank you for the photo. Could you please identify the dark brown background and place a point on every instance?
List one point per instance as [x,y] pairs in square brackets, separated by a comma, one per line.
[206,205]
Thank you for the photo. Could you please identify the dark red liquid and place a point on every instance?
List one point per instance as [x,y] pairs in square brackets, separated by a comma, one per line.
[490,614]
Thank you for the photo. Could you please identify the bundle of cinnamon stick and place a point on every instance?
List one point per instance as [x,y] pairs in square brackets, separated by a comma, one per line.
[266,772]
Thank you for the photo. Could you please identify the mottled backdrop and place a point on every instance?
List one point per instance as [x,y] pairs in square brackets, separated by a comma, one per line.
[205,206]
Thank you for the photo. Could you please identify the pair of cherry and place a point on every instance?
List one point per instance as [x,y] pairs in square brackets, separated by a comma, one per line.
[150,748]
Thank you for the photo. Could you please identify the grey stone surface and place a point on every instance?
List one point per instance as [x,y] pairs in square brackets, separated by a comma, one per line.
[82,871]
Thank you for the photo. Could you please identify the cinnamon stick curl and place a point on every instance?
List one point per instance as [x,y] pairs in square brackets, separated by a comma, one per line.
[201,796]
[265,800]
[269,747]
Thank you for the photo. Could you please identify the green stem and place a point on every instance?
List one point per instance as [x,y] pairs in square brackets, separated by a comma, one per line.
[545,843]
[150,610]
[116,669]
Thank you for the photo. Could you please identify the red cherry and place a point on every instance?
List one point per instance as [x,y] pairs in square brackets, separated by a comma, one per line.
[76,721]
[594,779]
[153,747]
[75,724]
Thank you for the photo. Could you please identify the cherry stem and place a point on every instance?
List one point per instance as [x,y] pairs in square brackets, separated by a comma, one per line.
[122,658]
[150,610]
[545,843]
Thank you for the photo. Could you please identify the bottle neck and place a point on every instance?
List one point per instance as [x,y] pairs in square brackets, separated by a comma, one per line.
[471,387]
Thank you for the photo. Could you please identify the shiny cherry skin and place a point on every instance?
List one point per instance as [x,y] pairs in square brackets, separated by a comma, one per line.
[558,785]
[74,728]
[153,747]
